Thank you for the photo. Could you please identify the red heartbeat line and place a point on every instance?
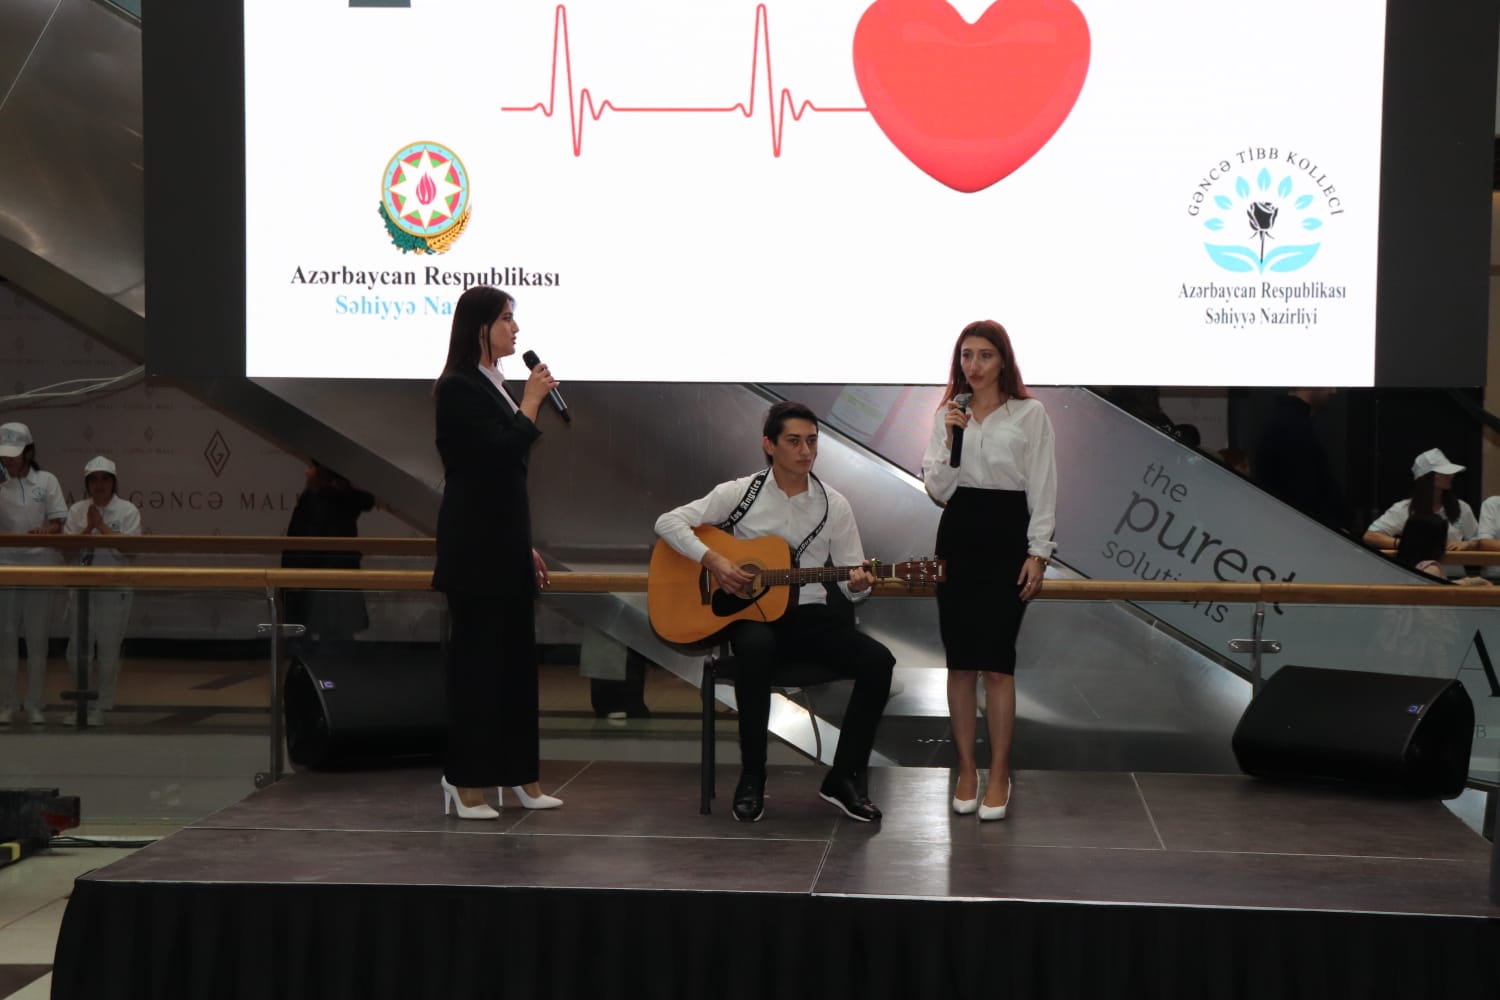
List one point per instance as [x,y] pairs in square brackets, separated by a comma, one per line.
[582,108]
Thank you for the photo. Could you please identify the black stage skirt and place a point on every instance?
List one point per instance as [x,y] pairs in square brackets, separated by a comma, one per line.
[982,536]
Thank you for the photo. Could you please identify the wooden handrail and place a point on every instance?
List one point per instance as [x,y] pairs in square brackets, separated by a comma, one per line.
[263,578]
[270,545]
[275,545]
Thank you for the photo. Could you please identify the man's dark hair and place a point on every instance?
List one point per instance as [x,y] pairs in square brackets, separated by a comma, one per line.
[778,415]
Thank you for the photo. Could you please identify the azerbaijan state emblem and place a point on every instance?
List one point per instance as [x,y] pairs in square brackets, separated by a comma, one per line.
[424,198]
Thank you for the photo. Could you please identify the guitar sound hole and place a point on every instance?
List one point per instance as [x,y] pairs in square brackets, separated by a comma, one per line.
[725,604]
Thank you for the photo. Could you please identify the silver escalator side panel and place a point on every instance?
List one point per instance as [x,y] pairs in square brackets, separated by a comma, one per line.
[72,203]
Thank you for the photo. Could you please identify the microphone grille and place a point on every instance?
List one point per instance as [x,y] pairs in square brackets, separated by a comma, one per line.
[962,399]
[531,359]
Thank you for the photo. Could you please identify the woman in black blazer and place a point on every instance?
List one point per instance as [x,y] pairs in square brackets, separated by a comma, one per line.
[485,563]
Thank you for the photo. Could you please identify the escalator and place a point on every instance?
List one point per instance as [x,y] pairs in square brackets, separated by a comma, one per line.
[72,181]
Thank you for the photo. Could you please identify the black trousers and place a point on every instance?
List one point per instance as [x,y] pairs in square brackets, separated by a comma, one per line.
[819,634]
[492,691]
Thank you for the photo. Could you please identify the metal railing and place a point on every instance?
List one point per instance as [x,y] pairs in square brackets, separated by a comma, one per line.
[274,581]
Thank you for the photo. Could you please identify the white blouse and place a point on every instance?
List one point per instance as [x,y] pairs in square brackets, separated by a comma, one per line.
[1393,522]
[497,379]
[1489,518]
[1011,449]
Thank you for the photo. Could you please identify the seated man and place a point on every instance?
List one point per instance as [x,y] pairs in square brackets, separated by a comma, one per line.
[817,523]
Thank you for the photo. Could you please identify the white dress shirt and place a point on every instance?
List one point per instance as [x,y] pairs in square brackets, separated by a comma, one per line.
[773,513]
[1011,449]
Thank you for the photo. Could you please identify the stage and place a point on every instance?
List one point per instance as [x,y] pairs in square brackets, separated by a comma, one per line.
[354,885]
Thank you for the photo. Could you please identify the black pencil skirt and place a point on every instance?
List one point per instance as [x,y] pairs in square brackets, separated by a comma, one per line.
[982,537]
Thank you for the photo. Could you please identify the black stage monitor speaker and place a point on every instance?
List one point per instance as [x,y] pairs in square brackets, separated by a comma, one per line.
[356,704]
[1410,734]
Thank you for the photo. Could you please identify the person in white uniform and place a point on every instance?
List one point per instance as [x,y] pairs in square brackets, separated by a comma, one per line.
[31,502]
[105,512]
[1431,493]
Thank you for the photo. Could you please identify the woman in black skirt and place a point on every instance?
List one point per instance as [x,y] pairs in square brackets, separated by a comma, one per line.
[996,535]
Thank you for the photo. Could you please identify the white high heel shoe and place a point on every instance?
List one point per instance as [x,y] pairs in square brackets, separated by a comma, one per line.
[996,812]
[451,800]
[540,802]
[965,806]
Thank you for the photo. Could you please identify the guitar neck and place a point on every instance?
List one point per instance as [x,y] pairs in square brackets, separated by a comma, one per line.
[816,574]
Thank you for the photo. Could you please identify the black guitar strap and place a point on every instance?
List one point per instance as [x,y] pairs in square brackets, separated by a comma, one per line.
[748,500]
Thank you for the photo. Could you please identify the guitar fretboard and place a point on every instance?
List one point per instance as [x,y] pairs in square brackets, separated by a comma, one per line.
[817,574]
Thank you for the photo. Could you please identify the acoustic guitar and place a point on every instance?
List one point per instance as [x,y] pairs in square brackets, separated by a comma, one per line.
[686,604]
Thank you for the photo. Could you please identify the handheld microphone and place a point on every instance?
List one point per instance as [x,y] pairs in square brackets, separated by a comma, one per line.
[562,408]
[957,454]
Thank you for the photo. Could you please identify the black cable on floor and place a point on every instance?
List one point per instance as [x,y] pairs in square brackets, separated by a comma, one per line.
[67,841]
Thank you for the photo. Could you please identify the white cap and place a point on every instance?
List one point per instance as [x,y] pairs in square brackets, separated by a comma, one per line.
[1433,460]
[98,464]
[13,439]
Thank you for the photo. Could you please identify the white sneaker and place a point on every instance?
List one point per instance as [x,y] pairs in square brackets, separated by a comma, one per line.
[35,717]
[4,716]
[96,716]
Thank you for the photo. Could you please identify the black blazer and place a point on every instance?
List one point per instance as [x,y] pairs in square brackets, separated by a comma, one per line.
[484,523]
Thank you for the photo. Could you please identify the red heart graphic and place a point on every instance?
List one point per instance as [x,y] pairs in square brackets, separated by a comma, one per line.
[969,103]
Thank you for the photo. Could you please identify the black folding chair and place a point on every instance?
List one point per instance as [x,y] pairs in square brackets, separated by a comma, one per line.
[791,679]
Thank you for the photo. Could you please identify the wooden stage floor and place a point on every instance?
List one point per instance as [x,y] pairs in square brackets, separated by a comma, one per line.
[1311,863]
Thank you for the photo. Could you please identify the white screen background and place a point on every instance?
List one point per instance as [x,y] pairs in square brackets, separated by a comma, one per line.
[686,251]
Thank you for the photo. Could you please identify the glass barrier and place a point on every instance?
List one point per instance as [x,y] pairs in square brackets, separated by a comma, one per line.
[185,724]
[180,719]
[1447,643]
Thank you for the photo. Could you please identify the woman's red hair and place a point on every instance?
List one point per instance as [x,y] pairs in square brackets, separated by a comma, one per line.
[1010,373]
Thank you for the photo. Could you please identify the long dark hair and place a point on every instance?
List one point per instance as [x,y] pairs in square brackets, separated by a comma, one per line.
[1010,374]
[1424,537]
[1424,498]
[28,455]
[477,308]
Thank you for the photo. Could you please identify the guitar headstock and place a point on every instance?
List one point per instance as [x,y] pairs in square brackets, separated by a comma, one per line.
[920,571]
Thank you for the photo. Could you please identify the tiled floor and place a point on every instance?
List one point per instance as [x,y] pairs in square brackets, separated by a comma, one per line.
[33,894]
